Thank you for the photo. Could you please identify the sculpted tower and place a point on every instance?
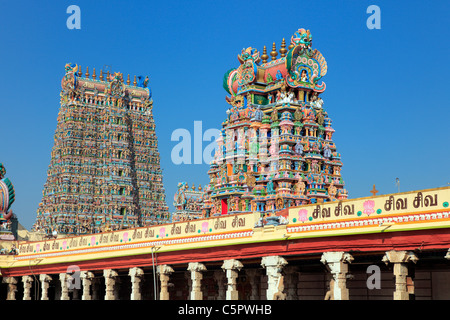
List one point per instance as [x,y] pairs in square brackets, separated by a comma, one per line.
[104,172]
[276,149]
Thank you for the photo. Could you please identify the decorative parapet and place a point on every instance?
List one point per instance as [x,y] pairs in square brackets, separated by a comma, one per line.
[386,213]
[343,219]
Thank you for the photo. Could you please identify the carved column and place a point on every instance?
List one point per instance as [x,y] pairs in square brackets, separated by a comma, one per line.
[164,275]
[45,283]
[196,270]
[110,283]
[12,287]
[400,260]
[63,279]
[291,282]
[27,285]
[231,268]
[136,275]
[337,263]
[253,276]
[274,265]
[86,278]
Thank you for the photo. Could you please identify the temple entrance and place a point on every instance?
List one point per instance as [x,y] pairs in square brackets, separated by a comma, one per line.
[224,206]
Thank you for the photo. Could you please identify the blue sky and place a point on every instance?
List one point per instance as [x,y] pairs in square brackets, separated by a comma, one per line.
[387,90]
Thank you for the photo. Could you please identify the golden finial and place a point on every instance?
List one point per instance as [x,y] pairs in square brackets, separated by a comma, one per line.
[87,72]
[107,76]
[264,56]
[94,75]
[128,79]
[101,74]
[80,73]
[283,49]
[274,52]
[134,82]
[291,46]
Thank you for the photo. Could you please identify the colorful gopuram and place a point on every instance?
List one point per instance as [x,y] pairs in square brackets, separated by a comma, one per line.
[7,197]
[104,172]
[188,203]
[276,148]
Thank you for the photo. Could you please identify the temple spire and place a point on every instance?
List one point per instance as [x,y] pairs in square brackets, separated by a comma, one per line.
[283,49]
[264,56]
[274,52]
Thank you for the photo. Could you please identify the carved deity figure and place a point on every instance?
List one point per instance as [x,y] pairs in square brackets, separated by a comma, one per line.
[298,115]
[258,114]
[304,76]
[299,148]
[274,116]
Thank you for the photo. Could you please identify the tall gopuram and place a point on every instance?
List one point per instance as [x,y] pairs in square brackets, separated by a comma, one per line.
[276,147]
[104,172]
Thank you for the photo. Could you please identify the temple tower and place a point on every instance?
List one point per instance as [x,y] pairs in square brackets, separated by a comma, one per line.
[276,149]
[104,172]
[188,202]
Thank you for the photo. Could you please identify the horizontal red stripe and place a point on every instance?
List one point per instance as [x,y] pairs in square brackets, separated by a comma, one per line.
[430,239]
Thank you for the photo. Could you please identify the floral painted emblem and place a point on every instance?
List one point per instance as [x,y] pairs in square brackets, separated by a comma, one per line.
[303,215]
[369,207]
[162,232]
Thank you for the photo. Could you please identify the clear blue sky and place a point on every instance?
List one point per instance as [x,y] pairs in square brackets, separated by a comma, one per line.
[387,90]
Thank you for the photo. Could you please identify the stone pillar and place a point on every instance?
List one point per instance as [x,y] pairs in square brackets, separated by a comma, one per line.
[45,283]
[400,260]
[253,275]
[274,265]
[164,275]
[196,270]
[27,284]
[337,263]
[291,282]
[86,278]
[12,287]
[220,277]
[231,268]
[136,275]
[110,283]
[63,279]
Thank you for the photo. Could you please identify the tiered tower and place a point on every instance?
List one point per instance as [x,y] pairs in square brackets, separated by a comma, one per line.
[105,170]
[188,202]
[276,148]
